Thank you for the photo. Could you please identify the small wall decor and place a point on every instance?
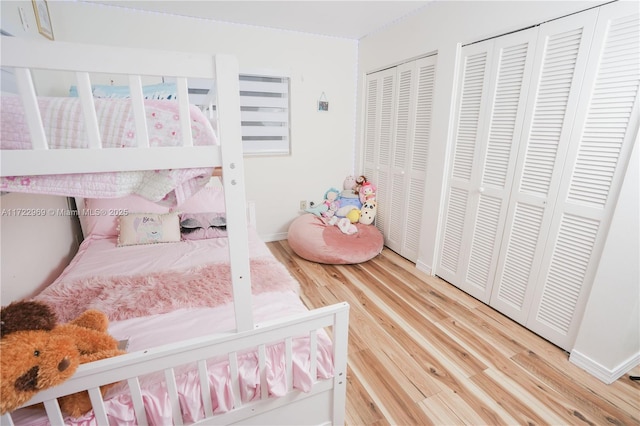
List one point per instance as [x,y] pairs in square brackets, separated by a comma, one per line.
[323,103]
[41,10]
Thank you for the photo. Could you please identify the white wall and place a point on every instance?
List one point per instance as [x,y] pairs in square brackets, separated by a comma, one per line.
[609,339]
[322,142]
[37,242]
[608,336]
[11,22]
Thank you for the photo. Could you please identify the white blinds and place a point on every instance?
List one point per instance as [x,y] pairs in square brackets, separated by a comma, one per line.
[264,106]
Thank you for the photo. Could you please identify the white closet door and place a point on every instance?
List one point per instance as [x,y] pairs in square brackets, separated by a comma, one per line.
[562,51]
[414,100]
[605,129]
[379,123]
[416,168]
[491,111]
[402,135]
[473,92]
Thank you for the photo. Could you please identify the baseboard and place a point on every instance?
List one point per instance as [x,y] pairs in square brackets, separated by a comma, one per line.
[274,237]
[600,372]
[421,266]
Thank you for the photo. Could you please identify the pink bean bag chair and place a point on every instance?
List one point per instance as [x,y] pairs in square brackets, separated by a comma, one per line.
[312,238]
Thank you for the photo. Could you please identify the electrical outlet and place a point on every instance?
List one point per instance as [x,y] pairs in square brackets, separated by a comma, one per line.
[303,204]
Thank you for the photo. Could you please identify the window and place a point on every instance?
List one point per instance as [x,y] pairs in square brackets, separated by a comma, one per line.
[264,112]
[264,109]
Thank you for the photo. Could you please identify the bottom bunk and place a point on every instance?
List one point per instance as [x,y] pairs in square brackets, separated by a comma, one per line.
[185,364]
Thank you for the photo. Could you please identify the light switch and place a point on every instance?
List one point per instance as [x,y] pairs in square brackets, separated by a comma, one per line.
[23,19]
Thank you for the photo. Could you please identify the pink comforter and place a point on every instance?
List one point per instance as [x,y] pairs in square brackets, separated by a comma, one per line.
[64,128]
[274,296]
[123,297]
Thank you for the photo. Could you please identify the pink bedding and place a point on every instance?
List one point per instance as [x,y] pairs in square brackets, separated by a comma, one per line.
[64,127]
[125,297]
[274,296]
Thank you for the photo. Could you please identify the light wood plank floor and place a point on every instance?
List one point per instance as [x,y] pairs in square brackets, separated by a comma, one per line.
[423,352]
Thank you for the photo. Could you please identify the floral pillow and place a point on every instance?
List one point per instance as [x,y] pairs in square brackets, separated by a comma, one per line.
[148,228]
[200,226]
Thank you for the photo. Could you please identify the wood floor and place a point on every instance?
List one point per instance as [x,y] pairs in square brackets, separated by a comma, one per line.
[422,352]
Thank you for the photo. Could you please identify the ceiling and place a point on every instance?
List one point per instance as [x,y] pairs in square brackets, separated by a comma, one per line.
[346,19]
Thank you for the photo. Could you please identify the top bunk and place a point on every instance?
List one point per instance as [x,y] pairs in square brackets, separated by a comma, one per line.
[49,134]
[64,150]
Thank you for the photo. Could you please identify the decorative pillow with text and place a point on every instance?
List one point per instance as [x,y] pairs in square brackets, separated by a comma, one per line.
[148,228]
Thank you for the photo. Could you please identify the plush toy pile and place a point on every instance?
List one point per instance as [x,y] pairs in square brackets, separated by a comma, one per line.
[37,353]
[356,203]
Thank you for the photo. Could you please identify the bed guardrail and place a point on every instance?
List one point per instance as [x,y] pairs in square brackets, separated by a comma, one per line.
[222,70]
[164,359]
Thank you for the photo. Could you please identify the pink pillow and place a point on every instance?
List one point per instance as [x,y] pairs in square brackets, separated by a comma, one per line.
[208,199]
[99,216]
[201,226]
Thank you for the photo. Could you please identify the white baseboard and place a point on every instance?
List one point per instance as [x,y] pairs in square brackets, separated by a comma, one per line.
[421,266]
[274,237]
[600,372]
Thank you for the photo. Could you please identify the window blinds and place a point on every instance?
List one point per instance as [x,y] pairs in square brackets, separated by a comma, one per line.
[264,111]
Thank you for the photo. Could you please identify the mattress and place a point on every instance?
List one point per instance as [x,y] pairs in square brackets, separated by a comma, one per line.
[101,257]
[64,127]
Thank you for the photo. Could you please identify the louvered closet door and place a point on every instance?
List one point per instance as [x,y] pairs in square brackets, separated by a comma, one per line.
[562,51]
[473,88]
[419,157]
[605,129]
[493,84]
[402,134]
[404,202]
[379,122]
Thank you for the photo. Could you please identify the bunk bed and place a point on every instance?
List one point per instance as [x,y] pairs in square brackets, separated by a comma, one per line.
[263,358]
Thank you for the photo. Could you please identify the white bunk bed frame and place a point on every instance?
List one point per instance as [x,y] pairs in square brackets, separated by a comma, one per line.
[325,403]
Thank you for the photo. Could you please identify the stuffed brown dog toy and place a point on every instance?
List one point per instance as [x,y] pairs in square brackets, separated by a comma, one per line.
[31,357]
[36,353]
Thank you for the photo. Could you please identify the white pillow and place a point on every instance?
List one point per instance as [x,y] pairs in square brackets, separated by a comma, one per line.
[148,228]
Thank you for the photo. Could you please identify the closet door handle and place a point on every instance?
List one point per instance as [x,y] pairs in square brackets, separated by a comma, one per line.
[481,189]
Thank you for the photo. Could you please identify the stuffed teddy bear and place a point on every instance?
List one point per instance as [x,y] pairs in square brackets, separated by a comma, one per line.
[36,353]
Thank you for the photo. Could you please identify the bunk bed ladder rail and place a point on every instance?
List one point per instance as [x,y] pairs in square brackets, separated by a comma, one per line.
[228,102]
[131,366]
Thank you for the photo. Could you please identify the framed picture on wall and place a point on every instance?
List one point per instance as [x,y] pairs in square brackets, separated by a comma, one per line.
[41,9]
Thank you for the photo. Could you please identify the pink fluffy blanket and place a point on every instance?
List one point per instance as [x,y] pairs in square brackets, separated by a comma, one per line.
[123,297]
